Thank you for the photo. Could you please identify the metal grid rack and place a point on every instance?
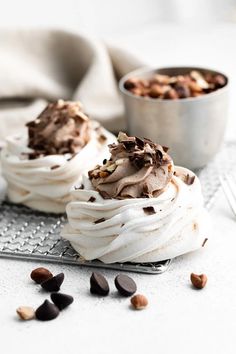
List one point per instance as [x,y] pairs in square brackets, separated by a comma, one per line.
[27,234]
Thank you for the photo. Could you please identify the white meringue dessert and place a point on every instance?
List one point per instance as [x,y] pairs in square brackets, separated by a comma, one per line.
[137,207]
[41,165]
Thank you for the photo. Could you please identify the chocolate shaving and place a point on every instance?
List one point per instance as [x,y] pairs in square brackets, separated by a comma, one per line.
[72,156]
[54,167]
[165,148]
[139,142]
[99,221]
[204,242]
[149,210]
[189,179]
[92,199]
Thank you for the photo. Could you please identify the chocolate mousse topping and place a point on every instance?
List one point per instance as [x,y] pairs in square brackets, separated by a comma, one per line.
[138,168]
[61,128]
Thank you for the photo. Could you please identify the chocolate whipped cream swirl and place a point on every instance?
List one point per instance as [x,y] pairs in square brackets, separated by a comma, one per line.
[138,168]
[61,128]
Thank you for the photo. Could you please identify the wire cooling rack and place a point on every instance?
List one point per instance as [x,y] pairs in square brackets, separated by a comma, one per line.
[27,234]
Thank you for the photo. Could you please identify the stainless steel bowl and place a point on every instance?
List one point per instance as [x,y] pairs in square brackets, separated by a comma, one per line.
[193,128]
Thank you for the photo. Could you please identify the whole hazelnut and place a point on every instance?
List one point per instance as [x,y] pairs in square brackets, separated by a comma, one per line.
[219,80]
[198,281]
[171,95]
[40,274]
[131,83]
[139,301]
[182,90]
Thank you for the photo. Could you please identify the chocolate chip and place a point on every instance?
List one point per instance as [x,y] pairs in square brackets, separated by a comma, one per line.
[149,210]
[125,285]
[92,199]
[47,311]
[54,167]
[99,284]
[99,220]
[54,283]
[61,300]
[40,275]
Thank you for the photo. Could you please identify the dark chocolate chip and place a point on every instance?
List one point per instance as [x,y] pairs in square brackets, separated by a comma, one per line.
[61,300]
[47,311]
[125,285]
[54,283]
[149,210]
[92,199]
[99,284]
[99,220]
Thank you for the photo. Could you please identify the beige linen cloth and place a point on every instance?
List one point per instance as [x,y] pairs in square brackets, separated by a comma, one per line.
[37,66]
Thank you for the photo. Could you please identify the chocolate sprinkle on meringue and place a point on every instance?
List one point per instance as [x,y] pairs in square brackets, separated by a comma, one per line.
[61,128]
[99,221]
[92,199]
[55,167]
[138,168]
[149,210]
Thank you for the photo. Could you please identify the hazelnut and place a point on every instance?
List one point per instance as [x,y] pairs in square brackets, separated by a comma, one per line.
[198,281]
[162,79]
[40,274]
[137,91]
[219,80]
[182,90]
[139,301]
[171,94]
[131,83]
[25,313]
[157,90]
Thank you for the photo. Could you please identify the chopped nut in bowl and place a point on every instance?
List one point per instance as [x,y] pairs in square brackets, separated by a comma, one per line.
[183,107]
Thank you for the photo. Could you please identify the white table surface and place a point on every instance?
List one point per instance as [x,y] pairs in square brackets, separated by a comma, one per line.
[178,319]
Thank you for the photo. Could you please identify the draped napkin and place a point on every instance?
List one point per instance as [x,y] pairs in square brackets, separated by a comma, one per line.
[37,66]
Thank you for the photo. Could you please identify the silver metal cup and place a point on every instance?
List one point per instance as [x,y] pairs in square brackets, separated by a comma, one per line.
[193,128]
